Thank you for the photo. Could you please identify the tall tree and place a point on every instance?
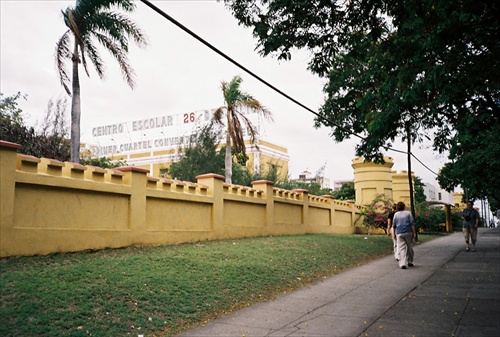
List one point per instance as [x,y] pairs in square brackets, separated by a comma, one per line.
[231,115]
[90,22]
[9,109]
[419,191]
[409,70]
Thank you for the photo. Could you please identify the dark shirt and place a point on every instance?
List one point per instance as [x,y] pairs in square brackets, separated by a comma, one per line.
[471,215]
[391,215]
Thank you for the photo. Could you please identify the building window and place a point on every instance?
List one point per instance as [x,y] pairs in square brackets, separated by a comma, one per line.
[439,196]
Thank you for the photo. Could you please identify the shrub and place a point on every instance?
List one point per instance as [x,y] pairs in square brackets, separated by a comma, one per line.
[429,218]
[375,214]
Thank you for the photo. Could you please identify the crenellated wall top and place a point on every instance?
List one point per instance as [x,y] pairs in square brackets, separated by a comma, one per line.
[402,173]
[360,162]
[242,190]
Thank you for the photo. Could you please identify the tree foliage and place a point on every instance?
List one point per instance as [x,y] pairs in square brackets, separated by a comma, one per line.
[475,162]
[313,188]
[346,192]
[200,156]
[9,109]
[419,191]
[88,22]
[428,67]
[50,141]
[104,162]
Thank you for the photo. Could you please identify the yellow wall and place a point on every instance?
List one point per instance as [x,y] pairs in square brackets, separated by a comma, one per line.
[49,206]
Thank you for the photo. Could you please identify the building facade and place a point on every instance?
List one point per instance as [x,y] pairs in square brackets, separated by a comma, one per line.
[155,143]
[434,193]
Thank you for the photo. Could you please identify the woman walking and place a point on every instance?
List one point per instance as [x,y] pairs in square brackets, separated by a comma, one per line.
[390,231]
[404,231]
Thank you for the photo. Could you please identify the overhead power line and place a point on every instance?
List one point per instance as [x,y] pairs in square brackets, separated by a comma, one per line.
[239,65]
[216,50]
[423,164]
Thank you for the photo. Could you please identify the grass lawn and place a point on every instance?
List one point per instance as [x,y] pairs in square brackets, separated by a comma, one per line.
[161,291]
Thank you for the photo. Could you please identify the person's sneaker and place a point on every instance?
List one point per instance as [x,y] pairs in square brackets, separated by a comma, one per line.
[410,264]
[403,267]
[467,249]
[473,249]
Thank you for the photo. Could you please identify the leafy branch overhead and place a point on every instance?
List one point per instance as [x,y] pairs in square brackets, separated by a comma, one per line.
[431,68]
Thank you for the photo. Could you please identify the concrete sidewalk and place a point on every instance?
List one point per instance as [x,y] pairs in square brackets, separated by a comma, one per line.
[449,292]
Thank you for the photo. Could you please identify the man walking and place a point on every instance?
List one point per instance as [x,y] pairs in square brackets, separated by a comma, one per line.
[469,226]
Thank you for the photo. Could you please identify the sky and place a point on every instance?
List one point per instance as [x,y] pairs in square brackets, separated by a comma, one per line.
[177,74]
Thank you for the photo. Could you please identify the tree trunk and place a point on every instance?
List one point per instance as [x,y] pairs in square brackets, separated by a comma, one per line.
[410,180]
[228,163]
[75,110]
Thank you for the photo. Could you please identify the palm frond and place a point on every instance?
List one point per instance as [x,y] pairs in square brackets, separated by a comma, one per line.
[219,115]
[62,54]
[257,106]
[125,5]
[95,58]
[232,91]
[117,27]
[248,123]
[121,57]
[236,133]
[91,19]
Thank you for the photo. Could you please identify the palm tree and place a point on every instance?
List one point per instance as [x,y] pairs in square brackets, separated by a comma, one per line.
[235,99]
[88,22]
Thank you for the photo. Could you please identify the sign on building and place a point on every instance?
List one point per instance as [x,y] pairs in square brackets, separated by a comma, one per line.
[154,133]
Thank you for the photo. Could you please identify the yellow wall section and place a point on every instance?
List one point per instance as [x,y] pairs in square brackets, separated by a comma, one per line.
[38,206]
[286,213]
[233,218]
[49,206]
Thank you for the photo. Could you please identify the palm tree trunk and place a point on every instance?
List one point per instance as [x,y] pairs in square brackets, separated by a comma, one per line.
[228,163]
[75,110]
